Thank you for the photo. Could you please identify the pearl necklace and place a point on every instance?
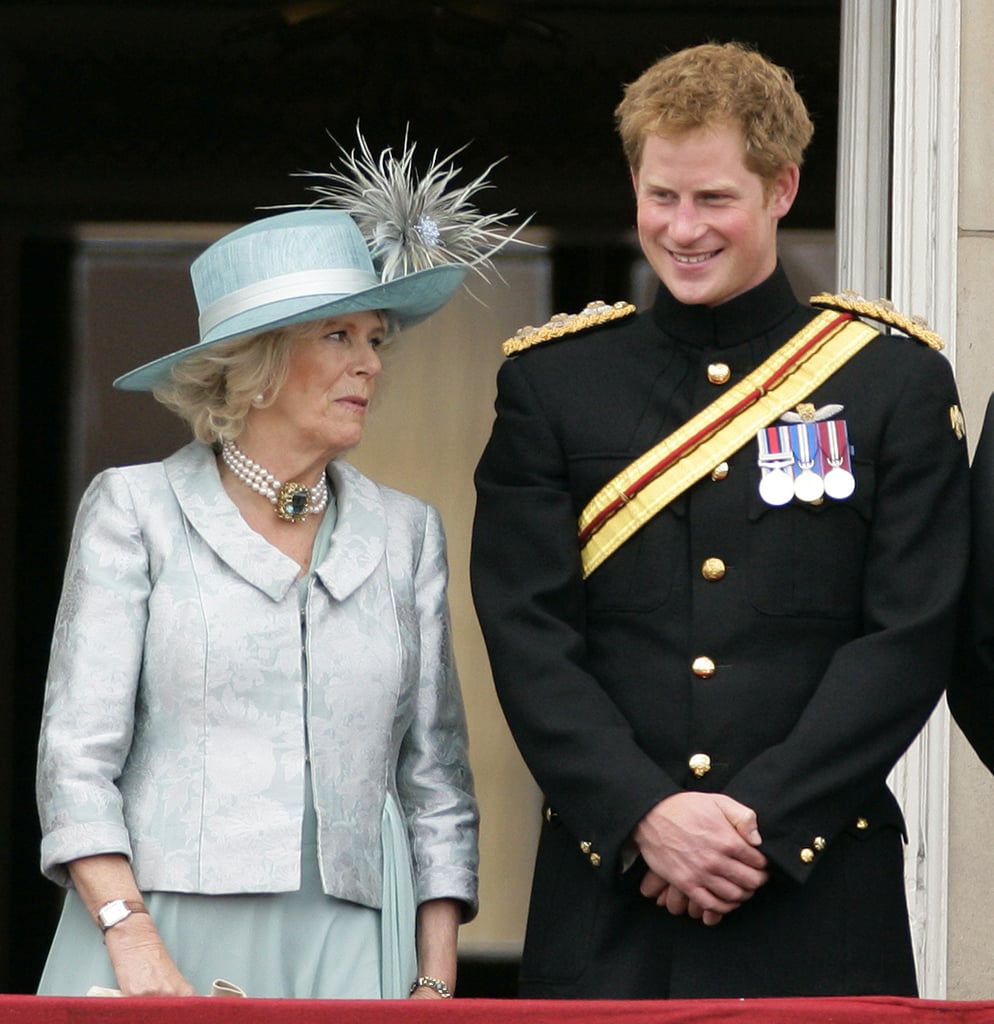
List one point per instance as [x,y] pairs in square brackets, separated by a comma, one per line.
[294,502]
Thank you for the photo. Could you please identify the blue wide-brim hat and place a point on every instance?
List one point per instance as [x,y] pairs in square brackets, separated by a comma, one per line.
[290,269]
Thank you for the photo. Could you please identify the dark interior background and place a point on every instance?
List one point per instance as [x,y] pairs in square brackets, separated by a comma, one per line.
[201,110]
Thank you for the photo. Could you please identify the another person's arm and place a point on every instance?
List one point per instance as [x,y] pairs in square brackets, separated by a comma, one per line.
[87,727]
[434,780]
[141,962]
[971,689]
[438,930]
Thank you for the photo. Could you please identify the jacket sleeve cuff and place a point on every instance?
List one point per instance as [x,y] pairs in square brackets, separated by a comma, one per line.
[450,883]
[70,843]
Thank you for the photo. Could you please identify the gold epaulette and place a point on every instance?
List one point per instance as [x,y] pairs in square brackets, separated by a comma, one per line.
[882,310]
[592,315]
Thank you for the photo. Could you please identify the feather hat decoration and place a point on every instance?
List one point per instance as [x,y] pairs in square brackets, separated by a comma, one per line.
[413,221]
[379,237]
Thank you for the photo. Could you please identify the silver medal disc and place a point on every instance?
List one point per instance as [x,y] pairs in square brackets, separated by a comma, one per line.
[839,483]
[776,487]
[808,486]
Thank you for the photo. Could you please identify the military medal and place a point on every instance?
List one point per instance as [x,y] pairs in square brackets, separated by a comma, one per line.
[833,436]
[808,485]
[776,460]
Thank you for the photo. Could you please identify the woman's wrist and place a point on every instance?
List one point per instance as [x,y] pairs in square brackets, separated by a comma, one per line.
[433,984]
[113,912]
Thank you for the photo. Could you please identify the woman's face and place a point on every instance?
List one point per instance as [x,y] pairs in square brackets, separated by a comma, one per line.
[321,408]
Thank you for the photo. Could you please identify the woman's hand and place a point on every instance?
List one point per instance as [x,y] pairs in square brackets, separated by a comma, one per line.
[141,962]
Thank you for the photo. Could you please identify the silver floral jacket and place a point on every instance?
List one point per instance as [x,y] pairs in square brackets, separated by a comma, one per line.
[174,725]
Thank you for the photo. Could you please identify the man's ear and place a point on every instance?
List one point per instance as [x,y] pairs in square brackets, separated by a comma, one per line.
[783,191]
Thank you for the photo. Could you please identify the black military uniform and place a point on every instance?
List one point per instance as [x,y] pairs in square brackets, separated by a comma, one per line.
[784,656]
[971,690]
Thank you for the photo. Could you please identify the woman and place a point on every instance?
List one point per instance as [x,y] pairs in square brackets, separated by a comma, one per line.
[253,752]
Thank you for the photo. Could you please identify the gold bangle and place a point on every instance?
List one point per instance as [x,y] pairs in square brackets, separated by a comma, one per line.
[426,981]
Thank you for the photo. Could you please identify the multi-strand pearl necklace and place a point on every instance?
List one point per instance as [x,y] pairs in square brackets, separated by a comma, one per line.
[294,502]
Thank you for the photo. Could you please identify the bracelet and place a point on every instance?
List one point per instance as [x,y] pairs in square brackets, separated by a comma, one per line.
[425,981]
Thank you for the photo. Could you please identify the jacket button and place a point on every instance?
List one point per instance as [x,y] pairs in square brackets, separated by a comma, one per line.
[586,846]
[713,569]
[719,373]
[703,667]
[819,843]
[700,765]
[862,823]
[595,860]
[549,814]
[807,855]
[720,471]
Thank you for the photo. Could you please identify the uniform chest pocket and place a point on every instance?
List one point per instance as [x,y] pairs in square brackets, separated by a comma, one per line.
[638,577]
[807,559]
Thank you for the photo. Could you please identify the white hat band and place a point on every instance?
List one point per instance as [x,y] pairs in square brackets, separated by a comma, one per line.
[286,286]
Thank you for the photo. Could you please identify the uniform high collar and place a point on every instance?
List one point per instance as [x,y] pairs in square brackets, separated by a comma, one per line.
[754,312]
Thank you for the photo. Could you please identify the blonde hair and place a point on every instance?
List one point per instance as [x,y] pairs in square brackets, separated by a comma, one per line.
[214,390]
[713,85]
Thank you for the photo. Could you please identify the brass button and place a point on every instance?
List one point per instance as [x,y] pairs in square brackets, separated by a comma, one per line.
[703,667]
[720,471]
[595,860]
[719,373]
[586,846]
[862,823]
[549,813]
[713,569]
[819,843]
[700,765]
[807,855]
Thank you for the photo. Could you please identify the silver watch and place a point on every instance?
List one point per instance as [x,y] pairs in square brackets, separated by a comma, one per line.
[116,911]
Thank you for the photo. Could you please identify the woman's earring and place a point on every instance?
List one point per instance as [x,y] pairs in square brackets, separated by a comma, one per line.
[258,400]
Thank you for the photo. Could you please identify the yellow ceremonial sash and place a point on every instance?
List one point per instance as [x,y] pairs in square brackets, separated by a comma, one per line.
[625,504]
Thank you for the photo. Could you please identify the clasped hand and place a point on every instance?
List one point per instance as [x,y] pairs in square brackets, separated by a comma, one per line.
[702,856]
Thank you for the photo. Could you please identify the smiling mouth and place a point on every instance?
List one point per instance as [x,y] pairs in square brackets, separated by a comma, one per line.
[697,258]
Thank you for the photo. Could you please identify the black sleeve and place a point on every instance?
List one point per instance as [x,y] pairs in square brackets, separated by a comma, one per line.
[880,688]
[971,691]
[529,595]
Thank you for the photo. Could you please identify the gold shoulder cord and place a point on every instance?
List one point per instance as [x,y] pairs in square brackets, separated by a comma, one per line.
[592,315]
[881,310]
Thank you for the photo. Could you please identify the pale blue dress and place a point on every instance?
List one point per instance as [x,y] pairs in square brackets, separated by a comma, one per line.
[301,944]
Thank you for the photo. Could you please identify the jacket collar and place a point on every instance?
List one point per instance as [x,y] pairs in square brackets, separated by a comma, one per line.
[755,312]
[358,540]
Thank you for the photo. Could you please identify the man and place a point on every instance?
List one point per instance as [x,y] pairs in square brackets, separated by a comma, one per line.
[711,686]
[971,689]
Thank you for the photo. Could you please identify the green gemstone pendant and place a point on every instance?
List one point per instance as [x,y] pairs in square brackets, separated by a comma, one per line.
[291,502]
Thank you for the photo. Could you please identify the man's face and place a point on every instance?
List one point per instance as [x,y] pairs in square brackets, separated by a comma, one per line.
[706,225]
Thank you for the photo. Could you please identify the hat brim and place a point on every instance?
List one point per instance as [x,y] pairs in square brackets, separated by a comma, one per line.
[411,299]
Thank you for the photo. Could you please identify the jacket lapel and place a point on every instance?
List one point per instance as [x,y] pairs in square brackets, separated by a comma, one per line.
[358,542]
[357,545]
[193,475]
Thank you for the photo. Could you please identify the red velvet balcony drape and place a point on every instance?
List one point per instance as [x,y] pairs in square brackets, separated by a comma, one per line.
[868,1010]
